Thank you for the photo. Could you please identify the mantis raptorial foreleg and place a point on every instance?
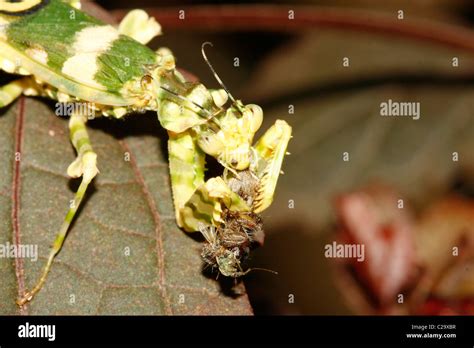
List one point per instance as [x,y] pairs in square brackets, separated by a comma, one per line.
[85,165]
[186,163]
[269,152]
[195,200]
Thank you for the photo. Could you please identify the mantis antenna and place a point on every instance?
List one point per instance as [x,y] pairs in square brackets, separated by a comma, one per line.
[215,73]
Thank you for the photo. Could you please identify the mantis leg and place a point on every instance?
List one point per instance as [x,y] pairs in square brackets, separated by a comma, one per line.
[269,152]
[186,169]
[196,201]
[85,166]
[206,204]
[12,90]
[139,26]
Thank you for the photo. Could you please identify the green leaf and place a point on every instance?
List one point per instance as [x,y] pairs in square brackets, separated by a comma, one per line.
[124,253]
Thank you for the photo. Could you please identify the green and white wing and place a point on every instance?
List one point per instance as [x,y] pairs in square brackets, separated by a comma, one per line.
[75,52]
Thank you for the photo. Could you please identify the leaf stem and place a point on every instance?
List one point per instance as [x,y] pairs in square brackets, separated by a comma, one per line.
[276,18]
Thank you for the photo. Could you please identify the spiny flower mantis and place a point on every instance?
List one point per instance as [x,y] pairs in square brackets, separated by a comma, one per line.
[64,54]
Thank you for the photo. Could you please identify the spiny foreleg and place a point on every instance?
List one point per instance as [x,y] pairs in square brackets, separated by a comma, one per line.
[195,201]
[268,154]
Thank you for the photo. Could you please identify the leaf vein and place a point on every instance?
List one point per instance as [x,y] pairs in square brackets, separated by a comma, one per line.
[157,220]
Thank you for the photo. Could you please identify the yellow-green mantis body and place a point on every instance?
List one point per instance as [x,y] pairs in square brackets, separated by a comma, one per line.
[60,52]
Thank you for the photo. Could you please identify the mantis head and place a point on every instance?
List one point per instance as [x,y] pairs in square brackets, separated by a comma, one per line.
[228,137]
[223,133]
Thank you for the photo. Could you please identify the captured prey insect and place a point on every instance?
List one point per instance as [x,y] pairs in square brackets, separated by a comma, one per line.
[228,245]
[60,52]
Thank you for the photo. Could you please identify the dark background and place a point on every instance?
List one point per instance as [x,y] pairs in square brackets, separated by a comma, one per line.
[279,66]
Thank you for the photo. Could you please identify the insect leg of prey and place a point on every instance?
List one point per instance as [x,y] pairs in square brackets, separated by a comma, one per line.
[85,166]
[12,90]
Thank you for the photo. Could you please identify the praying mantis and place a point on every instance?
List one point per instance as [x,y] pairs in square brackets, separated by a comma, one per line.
[59,52]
